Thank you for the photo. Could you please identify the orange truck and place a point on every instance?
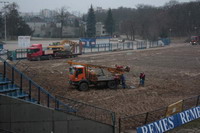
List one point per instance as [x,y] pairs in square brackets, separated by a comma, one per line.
[82,76]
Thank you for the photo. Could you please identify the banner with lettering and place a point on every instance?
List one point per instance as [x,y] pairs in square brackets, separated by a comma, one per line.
[171,122]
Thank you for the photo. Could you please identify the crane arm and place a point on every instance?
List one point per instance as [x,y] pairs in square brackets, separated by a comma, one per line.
[110,69]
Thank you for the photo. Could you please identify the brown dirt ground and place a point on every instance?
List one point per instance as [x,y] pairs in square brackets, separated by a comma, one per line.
[172,74]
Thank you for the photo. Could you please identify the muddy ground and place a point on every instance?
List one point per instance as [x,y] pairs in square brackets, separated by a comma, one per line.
[172,74]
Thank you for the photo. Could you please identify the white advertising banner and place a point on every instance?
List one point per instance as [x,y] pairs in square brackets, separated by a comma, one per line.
[24,41]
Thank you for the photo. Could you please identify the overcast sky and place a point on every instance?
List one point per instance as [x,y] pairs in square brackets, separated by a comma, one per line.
[81,6]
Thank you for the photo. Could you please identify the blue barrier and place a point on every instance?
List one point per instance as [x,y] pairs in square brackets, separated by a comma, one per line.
[166,41]
[1,46]
[171,122]
[88,42]
[104,37]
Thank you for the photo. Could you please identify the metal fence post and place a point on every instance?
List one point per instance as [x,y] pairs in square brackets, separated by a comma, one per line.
[114,121]
[29,89]
[21,82]
[98,47]
[197,101]
[38,95]
[147,114]
[47,100]
[13,75]
[119,125]
[4,69]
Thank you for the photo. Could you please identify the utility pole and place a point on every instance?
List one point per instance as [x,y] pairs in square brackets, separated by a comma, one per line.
[4,2]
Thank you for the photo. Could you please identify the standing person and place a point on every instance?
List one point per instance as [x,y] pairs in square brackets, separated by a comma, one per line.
[123,81]
[142,79]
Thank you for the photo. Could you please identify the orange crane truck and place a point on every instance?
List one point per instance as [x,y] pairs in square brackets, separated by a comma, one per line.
[82,76]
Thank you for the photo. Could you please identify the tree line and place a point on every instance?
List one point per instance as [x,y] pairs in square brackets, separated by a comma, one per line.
[144,21]
[149,22]
[15,25]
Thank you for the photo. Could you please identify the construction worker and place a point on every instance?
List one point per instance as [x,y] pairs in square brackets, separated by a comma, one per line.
[142,79]
[123,80]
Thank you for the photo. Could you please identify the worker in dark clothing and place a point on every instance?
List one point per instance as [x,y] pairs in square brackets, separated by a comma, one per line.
[142,79]
[123,80]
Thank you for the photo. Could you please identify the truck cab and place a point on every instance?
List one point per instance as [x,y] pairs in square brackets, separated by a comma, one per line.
[34,52]
[195,40]
[77,76]
[77,73]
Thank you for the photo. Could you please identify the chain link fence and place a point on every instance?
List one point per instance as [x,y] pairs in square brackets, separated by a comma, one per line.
[132,122]
[88,111]
[106,47]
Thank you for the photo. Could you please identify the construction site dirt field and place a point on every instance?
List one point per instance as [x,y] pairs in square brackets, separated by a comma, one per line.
[172,74]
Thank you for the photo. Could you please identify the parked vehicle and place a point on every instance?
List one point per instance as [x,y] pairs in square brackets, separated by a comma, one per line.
[195,40]
[82,75]
[64,50]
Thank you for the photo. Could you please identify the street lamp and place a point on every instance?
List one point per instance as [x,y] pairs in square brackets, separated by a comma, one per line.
[170,33]
[195,28]
[4,2]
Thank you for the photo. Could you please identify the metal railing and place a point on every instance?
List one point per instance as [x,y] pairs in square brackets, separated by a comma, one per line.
[35,92]
[39,95]
[89,111]
[132,122]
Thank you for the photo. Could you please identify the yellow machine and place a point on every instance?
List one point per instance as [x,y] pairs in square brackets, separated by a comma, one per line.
[82,75]
[65,45]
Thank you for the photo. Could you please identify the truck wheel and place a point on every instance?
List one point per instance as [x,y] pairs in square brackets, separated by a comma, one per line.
[38,59]
[83,86]
[50,57]
[111,84]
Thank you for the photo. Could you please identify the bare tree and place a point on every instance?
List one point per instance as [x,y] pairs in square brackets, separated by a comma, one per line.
[62,17]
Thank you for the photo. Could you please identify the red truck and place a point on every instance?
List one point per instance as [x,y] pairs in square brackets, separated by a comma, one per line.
[37,52]
[195,40]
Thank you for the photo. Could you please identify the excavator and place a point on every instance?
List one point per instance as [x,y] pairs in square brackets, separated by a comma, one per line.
[82,75]
[63,45]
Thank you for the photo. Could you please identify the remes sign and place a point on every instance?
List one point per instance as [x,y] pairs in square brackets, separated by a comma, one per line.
[171,122]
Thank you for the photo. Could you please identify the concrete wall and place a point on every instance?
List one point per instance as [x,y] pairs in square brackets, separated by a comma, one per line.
[23,117]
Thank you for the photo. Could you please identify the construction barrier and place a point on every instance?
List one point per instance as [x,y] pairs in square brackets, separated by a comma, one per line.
[174,108]
[134,45]
[132,122]
[171,122]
